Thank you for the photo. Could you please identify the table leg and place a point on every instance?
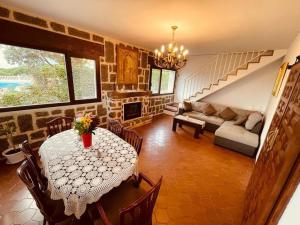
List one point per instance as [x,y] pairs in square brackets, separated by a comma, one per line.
[174,125]
[180,125]
[197,132]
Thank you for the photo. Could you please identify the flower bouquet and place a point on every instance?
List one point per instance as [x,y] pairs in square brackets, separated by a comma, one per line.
[85,125]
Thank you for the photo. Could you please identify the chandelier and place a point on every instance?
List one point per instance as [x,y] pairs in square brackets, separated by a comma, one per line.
[172,57]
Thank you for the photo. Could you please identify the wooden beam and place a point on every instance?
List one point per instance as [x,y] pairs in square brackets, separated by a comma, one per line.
[27,36]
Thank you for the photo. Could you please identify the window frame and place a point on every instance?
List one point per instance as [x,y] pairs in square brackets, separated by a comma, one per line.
[159,85]
[68,65]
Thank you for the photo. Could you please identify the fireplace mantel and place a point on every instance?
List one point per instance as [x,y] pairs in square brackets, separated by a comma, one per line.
[120,95]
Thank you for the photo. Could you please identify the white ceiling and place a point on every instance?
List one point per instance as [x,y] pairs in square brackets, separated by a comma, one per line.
[204,25]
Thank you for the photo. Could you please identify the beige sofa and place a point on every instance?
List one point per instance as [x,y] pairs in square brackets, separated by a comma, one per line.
[227,133]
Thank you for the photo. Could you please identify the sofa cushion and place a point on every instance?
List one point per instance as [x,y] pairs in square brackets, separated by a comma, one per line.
[253,119]
[258,127]
[209,110]
[241,120]
[201,116]
[198,106]
[238,134]
[227,114]
[187,106]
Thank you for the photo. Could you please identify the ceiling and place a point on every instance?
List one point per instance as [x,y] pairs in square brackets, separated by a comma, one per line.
[204,25]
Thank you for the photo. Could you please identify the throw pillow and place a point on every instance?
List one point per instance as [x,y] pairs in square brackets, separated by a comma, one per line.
[198,106]
[257,128]
[209,110]
[253,119]
[187,106]
[227,114]
[241,120]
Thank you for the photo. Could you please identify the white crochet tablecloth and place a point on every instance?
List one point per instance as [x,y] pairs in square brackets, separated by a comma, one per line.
[79,176]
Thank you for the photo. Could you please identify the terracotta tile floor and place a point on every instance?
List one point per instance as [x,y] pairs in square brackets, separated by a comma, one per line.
[203,183]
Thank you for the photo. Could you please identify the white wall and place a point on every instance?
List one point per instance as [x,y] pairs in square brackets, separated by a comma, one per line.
[291,214]
[199,65]
[252,92]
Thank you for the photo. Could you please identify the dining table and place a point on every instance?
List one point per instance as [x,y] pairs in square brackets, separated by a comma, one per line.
[81,176]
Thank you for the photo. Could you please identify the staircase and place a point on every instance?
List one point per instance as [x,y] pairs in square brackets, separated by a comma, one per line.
[226,68]
[171,108]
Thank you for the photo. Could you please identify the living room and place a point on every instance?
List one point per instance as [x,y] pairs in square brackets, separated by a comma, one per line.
[204,112]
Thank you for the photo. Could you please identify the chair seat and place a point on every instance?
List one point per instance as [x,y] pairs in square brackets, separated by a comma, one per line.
[117,199]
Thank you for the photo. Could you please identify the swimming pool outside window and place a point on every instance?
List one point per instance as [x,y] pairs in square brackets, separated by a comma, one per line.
[32,78]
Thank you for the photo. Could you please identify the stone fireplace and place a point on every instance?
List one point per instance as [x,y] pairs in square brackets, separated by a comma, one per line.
[130,107]
[132,110]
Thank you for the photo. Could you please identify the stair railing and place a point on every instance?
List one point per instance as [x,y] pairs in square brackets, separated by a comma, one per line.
[222,65]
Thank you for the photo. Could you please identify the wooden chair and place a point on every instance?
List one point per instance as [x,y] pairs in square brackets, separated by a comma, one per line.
[58,125]
[111,208]
[133,138]
[30,156]
[115,127]
[53,211]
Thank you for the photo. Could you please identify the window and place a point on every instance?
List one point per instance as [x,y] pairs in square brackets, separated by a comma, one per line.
[162,81]
[155,79]
[36,78]
[167,81]
[84,78]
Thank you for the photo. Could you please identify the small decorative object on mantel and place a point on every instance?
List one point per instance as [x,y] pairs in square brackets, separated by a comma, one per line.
[279,79]
[173,57]
[13,154]
[127,65]
[85,125]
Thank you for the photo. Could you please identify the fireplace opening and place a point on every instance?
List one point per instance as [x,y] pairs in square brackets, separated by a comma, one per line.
[132,110]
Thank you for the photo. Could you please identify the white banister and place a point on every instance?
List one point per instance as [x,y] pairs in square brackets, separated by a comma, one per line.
[219,66]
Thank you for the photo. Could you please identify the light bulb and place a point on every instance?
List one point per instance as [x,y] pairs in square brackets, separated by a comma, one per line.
[185,52]
[181,48]
[159,53]
[155,51]
[170,46]
[162,48]
[175,49]
[179,56]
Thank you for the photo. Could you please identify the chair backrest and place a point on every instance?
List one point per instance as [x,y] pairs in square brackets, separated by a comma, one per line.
[133,138]
[59,124]
[28,152]
[115,127]
[28,176]
[140,211]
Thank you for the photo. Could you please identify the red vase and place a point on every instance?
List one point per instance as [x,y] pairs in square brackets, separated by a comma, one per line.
[87,140]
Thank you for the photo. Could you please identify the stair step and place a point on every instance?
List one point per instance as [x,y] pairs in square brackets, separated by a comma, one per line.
[233,72]
[169,112]
[171,108]
[268,53]
[175,104]
[244,67]
[255,60]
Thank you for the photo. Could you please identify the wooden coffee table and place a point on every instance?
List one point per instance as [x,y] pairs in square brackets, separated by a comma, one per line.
[184,120]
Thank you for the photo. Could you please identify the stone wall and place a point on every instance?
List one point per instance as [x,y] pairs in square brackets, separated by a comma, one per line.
[30,124]
[157,103]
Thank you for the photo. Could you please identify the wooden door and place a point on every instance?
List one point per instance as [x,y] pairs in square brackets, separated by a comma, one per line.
[277,156]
